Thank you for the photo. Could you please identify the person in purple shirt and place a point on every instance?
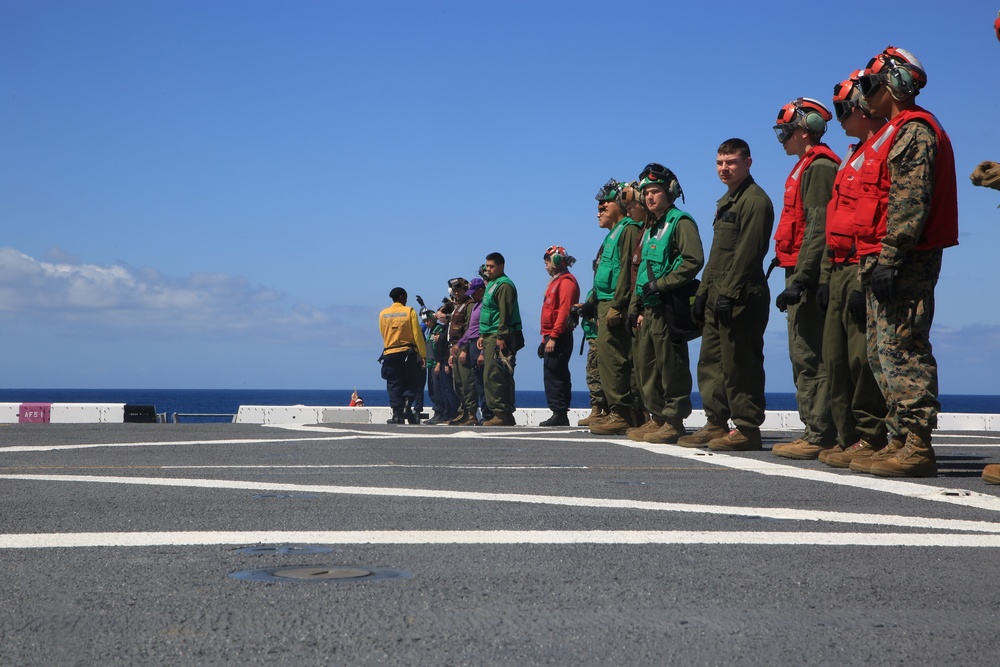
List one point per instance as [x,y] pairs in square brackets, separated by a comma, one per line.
[470,354]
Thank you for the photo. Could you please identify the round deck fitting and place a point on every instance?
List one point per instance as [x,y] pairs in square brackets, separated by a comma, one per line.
[324,573]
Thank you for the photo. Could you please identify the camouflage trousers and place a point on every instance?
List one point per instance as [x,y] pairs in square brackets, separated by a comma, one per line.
[597,398]
[899,345]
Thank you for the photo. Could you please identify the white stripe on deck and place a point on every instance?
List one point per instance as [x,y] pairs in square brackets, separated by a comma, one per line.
[499,537]
[745,464]
[898,521]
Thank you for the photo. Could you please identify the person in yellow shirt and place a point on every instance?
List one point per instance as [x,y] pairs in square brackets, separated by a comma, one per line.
[404,357]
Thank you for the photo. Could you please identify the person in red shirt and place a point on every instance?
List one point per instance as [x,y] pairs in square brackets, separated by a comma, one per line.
[556,347]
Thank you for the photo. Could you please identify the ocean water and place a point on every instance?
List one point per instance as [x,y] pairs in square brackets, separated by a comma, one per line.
[228,401]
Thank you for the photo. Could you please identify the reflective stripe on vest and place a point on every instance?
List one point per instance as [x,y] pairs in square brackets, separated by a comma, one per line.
[656,254]
[872,189]
[489,312]
[609,266]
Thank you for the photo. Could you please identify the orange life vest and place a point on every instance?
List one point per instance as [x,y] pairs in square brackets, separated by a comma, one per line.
[867,184]
[792,224]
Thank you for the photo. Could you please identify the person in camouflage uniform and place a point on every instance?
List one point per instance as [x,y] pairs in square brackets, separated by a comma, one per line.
[900,264]
[987,175]
[598,401]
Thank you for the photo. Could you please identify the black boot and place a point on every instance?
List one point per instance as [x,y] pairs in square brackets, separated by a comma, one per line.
[557,419]
[397,417]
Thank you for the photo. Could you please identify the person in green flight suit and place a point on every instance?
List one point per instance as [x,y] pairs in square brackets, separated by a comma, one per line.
[733,301]
[671,257]
[500,339]
[613,291]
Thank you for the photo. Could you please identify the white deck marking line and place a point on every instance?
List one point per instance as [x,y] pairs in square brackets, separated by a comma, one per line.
[925,523]
[167,443]
[499,537]
[868,482]
[376,465]
[856,480]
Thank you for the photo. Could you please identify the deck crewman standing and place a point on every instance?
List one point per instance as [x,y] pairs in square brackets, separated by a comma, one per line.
[404,356]
[670,257]
[556,347]
[856,402]
[613,291]
[800,248]
[500,339]
[914,174]
[733,301]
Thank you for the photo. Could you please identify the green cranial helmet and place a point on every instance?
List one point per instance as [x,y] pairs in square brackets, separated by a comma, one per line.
[610,191]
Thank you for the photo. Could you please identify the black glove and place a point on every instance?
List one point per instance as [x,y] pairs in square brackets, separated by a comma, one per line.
[541,350]
[698,309]
[883,282]
[633,322]
[791,296]
[724,311]
[823,296]
[857,308]
[649,289]
[588,310]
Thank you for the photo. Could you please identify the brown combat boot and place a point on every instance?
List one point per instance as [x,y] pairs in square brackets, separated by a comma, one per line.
[671,431]
[740,439]
[468,420]
[596,413]
[864,463]
[825,454]
[501,419]
[613,424]
[915,459]
[991,473]
[859,450]
[799,448]
[704,435]
[638,433]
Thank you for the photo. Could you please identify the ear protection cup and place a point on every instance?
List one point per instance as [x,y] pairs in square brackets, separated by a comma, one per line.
[674,188]
[557,255]
[813,122]
[901,79]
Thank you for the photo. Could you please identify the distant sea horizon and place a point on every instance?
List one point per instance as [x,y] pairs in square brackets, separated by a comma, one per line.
[228,401]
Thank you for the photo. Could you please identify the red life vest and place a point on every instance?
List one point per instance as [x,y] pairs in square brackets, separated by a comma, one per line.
[792,223]
[870,188]
[562,292]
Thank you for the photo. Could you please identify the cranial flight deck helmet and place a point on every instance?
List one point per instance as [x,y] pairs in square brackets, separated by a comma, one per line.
[805,113]
[619,193]
[657,174]
[847,96]
[897,69]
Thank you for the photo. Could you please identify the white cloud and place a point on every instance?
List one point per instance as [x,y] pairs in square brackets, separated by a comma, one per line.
[122,298]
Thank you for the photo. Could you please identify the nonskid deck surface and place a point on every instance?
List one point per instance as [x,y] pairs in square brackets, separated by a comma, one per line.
[442,545]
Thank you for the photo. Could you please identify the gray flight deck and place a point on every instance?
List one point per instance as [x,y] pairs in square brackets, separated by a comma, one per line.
[506,546]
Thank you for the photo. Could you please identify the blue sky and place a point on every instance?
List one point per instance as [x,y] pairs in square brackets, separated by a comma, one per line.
[220,194]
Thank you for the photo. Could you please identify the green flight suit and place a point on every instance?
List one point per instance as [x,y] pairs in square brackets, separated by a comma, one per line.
[671,253]
[613,290]
[806,319]
[499,317]
[731,363]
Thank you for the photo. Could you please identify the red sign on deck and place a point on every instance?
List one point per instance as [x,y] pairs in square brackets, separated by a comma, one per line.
[34,413]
